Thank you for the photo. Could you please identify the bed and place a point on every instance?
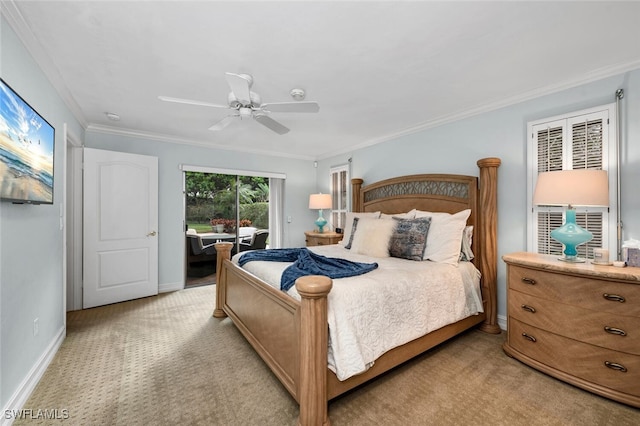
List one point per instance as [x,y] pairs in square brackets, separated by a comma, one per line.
[292,336]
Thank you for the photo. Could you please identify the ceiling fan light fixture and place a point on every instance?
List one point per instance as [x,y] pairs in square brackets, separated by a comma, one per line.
[245,112]
[298,94]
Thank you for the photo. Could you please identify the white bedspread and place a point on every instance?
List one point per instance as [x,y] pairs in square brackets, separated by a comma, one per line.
[378,311]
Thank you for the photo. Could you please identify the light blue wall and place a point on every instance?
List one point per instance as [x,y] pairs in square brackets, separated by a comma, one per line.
[31,242]
[455,148]
[300,182]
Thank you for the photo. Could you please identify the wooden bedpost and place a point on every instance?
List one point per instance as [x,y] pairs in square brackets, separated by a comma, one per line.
[488,217]
[356,200]
[314,335]
[223,251]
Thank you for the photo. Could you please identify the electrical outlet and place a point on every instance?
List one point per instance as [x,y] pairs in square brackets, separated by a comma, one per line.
[36,327]
[288,219]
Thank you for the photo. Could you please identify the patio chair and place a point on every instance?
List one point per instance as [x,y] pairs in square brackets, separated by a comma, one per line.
[258,241]
[197,252]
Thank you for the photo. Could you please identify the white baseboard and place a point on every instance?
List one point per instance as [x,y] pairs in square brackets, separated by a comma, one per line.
[22,394]
[168,287]
[502,322]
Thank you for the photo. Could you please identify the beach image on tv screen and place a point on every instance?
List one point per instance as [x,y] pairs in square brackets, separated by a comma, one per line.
[26,151]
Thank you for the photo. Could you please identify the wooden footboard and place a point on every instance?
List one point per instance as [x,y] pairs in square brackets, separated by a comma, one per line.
[292,336]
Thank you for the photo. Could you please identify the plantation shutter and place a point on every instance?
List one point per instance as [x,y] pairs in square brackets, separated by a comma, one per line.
[572,142]
[339,195]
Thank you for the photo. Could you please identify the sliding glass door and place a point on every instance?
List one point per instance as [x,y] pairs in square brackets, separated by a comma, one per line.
[223,207]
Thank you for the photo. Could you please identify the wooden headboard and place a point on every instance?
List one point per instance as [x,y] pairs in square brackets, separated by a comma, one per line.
[451,194]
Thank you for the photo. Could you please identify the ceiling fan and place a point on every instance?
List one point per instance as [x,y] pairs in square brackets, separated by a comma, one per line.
[243,103]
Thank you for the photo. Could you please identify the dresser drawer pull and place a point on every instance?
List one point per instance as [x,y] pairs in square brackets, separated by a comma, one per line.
[616,366]
[529,337]
[529,308]
[614,297]
[529,281]
[613,330]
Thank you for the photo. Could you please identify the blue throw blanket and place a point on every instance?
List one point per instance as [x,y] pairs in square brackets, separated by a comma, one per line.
[306,262]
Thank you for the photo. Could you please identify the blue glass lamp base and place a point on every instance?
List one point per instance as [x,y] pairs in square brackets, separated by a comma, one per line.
[571,235]
[320,222]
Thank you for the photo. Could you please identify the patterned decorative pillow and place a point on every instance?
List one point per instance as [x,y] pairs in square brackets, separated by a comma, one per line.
[352,232]
[409,239]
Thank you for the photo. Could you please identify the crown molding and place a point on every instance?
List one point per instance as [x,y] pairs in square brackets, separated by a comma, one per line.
[16,21]
[137,134]
[586,78]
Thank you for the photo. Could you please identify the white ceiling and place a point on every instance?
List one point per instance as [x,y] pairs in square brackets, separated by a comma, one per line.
[377,69]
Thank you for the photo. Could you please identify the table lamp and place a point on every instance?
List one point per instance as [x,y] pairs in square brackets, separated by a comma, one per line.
[582,187]
[320,202]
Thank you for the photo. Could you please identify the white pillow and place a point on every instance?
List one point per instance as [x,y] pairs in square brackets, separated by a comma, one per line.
[348,225]
[408,215]
[445,235]
[372,236]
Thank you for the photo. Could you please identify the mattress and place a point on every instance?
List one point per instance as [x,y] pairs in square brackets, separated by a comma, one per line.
[398,302]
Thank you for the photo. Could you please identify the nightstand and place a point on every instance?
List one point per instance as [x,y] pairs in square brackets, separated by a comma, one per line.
[317,239]
[579,323]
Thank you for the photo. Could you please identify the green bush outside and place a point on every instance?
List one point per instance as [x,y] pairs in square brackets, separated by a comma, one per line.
[198,217]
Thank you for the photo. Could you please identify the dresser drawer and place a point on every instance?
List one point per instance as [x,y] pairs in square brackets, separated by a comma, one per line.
[589,293]
[604,329]
[591,363]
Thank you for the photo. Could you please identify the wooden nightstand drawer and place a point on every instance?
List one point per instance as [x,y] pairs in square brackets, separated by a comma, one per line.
[589,293]
[324,239]
[617,332]
[587,362]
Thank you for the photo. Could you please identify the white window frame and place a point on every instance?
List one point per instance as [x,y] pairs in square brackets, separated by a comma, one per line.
[608,114]
[339,211]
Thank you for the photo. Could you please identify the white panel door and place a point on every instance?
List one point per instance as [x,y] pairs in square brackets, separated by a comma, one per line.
[120,219]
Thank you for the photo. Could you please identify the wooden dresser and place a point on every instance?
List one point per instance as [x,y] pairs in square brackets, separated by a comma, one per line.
[324,239]
[577,322]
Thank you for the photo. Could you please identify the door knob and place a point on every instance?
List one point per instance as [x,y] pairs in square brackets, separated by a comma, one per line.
[152,234]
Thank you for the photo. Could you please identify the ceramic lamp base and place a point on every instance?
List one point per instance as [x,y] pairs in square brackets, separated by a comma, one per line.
[320,222]
[571,235]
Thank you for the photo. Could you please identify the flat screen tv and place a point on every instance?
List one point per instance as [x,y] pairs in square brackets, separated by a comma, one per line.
[26,151]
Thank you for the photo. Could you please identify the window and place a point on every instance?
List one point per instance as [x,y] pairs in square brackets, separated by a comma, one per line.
[581,140]
[340,190]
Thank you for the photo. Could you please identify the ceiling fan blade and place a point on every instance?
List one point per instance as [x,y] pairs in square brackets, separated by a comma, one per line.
[308,106]
[222,123]
[191,102]
[272,124]
[240,87]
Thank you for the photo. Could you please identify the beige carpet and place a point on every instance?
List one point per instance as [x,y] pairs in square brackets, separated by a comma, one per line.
[165,361]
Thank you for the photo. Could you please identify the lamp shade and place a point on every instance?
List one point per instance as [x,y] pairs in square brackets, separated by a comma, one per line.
[582,187]
[320,201]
